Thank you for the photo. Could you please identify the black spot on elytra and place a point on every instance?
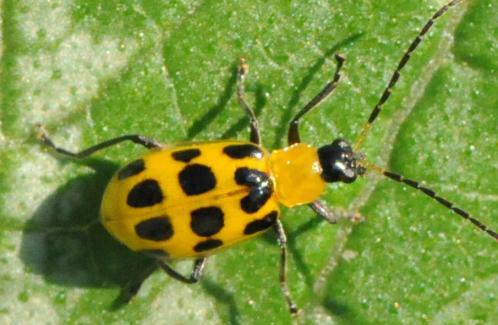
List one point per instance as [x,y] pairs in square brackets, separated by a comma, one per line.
[145,194]
[196,179]
[206,221]
[239,151]
[207,245]
[156,229]
[186,155]
[261,224]
[133,168]
[260,188]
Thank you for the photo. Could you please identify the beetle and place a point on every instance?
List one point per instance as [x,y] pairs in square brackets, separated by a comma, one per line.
[190,200]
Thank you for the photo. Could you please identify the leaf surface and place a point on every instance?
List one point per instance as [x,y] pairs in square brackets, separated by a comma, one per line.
[91,70]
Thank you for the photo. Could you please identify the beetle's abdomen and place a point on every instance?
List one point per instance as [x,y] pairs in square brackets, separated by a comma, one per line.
[190,200]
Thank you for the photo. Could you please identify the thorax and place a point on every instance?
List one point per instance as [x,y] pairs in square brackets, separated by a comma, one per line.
[296,171]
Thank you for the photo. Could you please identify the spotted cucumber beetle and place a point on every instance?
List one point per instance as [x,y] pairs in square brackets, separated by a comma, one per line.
[191,200]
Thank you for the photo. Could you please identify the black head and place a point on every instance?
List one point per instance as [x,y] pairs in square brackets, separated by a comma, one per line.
[339,162]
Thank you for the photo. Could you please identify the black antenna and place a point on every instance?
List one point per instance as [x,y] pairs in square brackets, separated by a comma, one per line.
[378,108]
[395,77]
[433,195]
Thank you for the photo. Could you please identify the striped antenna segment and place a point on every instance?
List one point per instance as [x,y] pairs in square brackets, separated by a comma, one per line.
[397,73]
[433,195]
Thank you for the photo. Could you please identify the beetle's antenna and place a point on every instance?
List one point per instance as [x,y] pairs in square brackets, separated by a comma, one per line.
[433,195]
[395,77]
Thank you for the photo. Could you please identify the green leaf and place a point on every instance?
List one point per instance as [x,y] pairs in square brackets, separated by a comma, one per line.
[91,70]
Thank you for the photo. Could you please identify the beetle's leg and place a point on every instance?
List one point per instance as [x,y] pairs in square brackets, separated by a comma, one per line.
[293,134]
[282,242]
[241,75]
[332,216]
[194,276]
[135,138]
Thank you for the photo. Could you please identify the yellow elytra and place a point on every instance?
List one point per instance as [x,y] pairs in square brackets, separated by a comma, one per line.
[190,200]
[187,201]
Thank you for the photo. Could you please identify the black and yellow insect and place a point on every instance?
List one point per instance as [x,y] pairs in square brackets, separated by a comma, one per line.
[191,200]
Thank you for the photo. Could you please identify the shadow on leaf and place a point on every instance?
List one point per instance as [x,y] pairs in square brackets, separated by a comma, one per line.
[305,81]
[223,297]
[204,121]
[65,242]
[343,312]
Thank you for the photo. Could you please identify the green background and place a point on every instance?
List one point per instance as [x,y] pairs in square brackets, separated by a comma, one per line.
[91,70]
